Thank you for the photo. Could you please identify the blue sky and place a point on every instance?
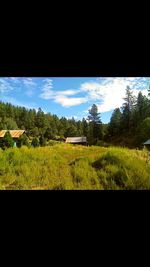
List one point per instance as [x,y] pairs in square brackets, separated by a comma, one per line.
[70,97]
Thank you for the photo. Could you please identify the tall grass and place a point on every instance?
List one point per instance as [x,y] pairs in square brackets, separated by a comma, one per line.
[65,166]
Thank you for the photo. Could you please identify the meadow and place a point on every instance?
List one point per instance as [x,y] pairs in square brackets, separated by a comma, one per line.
[68,167]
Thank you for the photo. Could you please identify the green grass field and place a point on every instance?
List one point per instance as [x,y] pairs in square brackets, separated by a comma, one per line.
[65,166]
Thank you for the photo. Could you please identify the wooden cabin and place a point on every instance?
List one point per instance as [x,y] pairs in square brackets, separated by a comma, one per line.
[77,140]
[15,134]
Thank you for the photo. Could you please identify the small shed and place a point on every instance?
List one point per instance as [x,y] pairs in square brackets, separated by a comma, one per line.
[77,140]
[15,134]
[147,144]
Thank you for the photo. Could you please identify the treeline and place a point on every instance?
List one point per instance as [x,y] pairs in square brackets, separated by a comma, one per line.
[47,126]
[130,124]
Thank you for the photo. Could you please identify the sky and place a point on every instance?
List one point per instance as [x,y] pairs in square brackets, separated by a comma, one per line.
[70,97]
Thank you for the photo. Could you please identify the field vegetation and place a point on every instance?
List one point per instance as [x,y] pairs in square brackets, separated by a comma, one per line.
[64,166]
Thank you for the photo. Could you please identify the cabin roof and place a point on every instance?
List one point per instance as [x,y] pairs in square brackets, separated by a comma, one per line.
[147,142]
[13,133]
[76,140]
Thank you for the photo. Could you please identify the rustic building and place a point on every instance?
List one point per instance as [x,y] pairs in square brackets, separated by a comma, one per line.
[77,140]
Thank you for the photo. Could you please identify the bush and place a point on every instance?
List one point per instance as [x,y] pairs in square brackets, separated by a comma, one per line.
[7,141]
[122,169]
[35,142]
[42,141]
[23,141]
[52,142]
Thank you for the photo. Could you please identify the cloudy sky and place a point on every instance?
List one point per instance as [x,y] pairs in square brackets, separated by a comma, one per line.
[70,97]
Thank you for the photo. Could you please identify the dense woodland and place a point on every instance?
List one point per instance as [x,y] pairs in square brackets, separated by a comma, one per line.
[49,127]
[129,125]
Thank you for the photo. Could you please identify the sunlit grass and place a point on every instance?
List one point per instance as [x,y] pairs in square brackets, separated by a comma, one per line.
[65,166]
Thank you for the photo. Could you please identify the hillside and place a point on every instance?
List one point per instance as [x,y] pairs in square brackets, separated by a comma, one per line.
[65,166]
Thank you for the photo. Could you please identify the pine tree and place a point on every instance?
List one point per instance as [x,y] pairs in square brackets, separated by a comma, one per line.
[95,124]
[85,127]
[94,116]
[115,122]
[143,131]
[142,108]
[49,133]
[128,108]
[71,131]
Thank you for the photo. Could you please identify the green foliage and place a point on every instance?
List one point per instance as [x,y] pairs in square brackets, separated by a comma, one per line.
[7,141]
[131,126]
[85,127]
[128,108]
[94,116]
[49,133]
[23,141]
[115,122]
[9,124]
[35,142]
[143,131]
[72,131]
[37,123]
[123,169]
[34,132]
[42,141]
[95,132]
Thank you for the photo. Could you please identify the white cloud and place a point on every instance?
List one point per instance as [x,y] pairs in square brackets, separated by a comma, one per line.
[14,80]
[15,83]
[47,92]
[68,92]
[5,86]
[61,97]
[109,92]
[28,82]
[69,101]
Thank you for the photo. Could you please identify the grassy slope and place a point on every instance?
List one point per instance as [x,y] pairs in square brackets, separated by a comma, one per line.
[74,167]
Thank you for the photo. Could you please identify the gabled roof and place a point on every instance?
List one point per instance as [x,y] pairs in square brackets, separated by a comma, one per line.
[147,142]
[76,140]
[13,133]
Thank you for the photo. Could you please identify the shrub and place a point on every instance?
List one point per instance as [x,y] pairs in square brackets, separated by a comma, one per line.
[42,141]
[23,141]
[7,141]
[121,169]
[35,142]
